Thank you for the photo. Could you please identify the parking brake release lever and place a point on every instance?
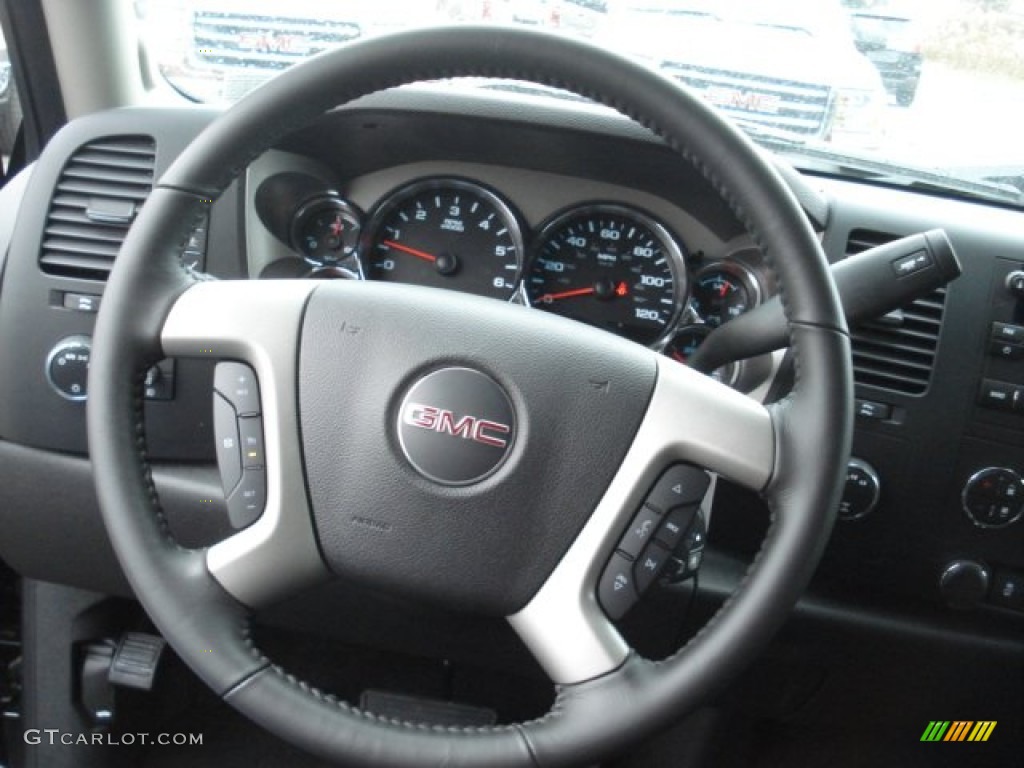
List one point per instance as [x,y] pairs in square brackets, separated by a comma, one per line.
[870,284]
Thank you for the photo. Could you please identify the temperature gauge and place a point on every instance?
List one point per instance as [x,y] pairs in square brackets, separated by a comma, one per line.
[326,231]
[684,343]
[724,291]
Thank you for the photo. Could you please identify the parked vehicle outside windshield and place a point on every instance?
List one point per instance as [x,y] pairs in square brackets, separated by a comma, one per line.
[905,90]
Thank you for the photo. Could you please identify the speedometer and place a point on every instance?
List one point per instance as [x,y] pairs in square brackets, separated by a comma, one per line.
[446,233]
[612,267]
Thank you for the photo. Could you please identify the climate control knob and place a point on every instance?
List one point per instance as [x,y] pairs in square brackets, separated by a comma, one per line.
[993,497]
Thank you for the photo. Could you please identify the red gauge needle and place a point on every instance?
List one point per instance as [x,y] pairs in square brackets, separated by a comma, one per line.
[678,357]
[411,251]
[547,298]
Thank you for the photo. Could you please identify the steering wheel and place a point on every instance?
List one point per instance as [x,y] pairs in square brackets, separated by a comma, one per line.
[482,456]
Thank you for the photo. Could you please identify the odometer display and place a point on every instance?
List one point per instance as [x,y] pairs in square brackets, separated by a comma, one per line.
[446,233]
[611,267]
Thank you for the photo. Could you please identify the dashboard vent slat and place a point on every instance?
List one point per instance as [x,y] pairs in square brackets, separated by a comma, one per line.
[110,174]
[897,356]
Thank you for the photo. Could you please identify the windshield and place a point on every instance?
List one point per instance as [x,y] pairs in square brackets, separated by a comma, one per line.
[919,92]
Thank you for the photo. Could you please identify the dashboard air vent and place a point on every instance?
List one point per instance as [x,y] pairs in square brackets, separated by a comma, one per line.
[97,196]
[897,351]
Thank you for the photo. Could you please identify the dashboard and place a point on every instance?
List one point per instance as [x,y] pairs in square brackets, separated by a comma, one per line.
[620,259]
[562,208]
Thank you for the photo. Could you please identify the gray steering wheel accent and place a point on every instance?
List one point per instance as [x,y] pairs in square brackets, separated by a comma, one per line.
[590,720]
[258,323]
[690,418]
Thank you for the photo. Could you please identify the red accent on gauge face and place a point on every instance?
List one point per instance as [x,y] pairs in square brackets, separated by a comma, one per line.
[547,298]
[461,237]
[411,251]
[632,268]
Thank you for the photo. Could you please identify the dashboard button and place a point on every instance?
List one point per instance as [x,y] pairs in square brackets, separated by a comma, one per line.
[1008,590]
[696,534]
[1006,350]
[998,395]
[82,302]
[640,532]
[689,554]
[679,485]
[869,409]
[225,430]
[237,383]
[247,501]
[250,431]
[159,383]
[915,262]
[649,565]
[617,591]
[675,525]
[1008,332]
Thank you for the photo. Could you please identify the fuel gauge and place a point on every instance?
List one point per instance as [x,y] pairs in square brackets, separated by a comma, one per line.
[326,230]
[724,291]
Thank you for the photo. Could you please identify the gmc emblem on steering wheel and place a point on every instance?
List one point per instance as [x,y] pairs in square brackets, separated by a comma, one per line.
[467,427]
[460,403]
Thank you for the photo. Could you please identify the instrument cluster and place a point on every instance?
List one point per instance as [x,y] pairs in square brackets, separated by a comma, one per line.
[607,264]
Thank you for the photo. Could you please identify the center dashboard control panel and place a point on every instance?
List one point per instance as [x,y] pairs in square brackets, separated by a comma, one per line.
[1001,390]
[665,536]
[238,431]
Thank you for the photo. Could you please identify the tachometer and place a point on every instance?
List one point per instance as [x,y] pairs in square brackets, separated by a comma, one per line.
[612,267]
[446,233]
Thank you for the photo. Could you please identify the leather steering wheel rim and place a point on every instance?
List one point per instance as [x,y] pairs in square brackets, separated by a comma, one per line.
[593,718]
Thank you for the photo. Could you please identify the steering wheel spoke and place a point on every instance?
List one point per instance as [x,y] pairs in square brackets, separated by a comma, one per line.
[691,419]
[258,323]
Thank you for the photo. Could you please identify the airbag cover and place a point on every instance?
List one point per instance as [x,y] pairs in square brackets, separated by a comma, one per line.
[483,541]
